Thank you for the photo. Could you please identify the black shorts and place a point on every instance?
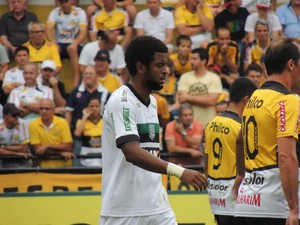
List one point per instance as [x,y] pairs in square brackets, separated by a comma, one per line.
[258,221]
[63,50]
[224,220]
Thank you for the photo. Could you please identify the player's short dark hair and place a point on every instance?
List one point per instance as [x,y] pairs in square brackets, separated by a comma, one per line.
[202,52]
[182,38]
[21,48]
[279,52]
[142,49]
[253,67]
[241,88]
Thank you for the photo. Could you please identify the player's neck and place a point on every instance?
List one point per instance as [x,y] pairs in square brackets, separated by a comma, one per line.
[236,108]
[200,72]
[142,91]
[283,79]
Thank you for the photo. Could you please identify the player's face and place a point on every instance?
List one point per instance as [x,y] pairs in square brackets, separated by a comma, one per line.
[30,74]
[109,3]
[262,32]
[12,119]
[21,57]
[153,5]
[94,107]
[192,3]
[186,117]
[156,73]
[262,12]
[223,37]
[89,77]
[296,73]
[184,48]
[255,77]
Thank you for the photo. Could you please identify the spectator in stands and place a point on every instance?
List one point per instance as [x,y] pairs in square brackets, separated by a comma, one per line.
[184,135]
[234,18]
[221,107]
[67,28]
[50,135]
[182,59]
[195,20]
[110,81]
[200,87]
[264,12]
[26,97]
[254,72]
[156,21]
[39,48]
[14,138]
[14,78]
[13,25]
[78,97]
[78,100]
[224,53]
[288,14]
[108,41]
[48,68]
[73,2]
[256,49]
[89,130]
[112,18]
[170,86]
[162,109]
[128,5]
[4,61]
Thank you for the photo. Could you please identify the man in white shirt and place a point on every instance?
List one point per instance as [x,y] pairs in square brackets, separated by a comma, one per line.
[107,41]
[26,97]
[157,22]
[14,78]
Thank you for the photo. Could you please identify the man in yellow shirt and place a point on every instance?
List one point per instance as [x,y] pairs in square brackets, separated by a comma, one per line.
[51,135]
[195,20]
[110,81]
[39,48]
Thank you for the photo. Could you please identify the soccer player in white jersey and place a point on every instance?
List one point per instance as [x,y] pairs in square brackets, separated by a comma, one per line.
[27,96]
[131,183]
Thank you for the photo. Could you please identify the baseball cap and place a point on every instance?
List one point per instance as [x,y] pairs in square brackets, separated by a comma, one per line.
[263,4]
[10,108]
[102,55]
[49,64]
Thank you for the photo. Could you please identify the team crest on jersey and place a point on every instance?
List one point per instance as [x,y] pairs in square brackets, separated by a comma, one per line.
[124,96]
[151,131]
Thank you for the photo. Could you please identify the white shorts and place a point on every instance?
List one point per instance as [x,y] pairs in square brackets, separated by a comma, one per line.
[166,218]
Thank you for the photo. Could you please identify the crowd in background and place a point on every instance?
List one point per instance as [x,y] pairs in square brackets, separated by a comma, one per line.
[211,43]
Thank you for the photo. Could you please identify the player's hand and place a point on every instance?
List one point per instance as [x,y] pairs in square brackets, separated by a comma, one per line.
[292,219]
[53,81]
[86,113]
[236,185]
[194,178]
[41,150]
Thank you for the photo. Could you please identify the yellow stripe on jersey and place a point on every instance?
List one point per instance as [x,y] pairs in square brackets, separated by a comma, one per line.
[271,112]
[220,145]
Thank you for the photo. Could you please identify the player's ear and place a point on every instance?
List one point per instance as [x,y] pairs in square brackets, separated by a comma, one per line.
[140,68]
[246,99]
[290,65]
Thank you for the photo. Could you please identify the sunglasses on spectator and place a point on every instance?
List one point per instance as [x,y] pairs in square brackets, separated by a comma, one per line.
[15,114]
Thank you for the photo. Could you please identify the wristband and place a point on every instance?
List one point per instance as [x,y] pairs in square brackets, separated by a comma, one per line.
[174,170]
